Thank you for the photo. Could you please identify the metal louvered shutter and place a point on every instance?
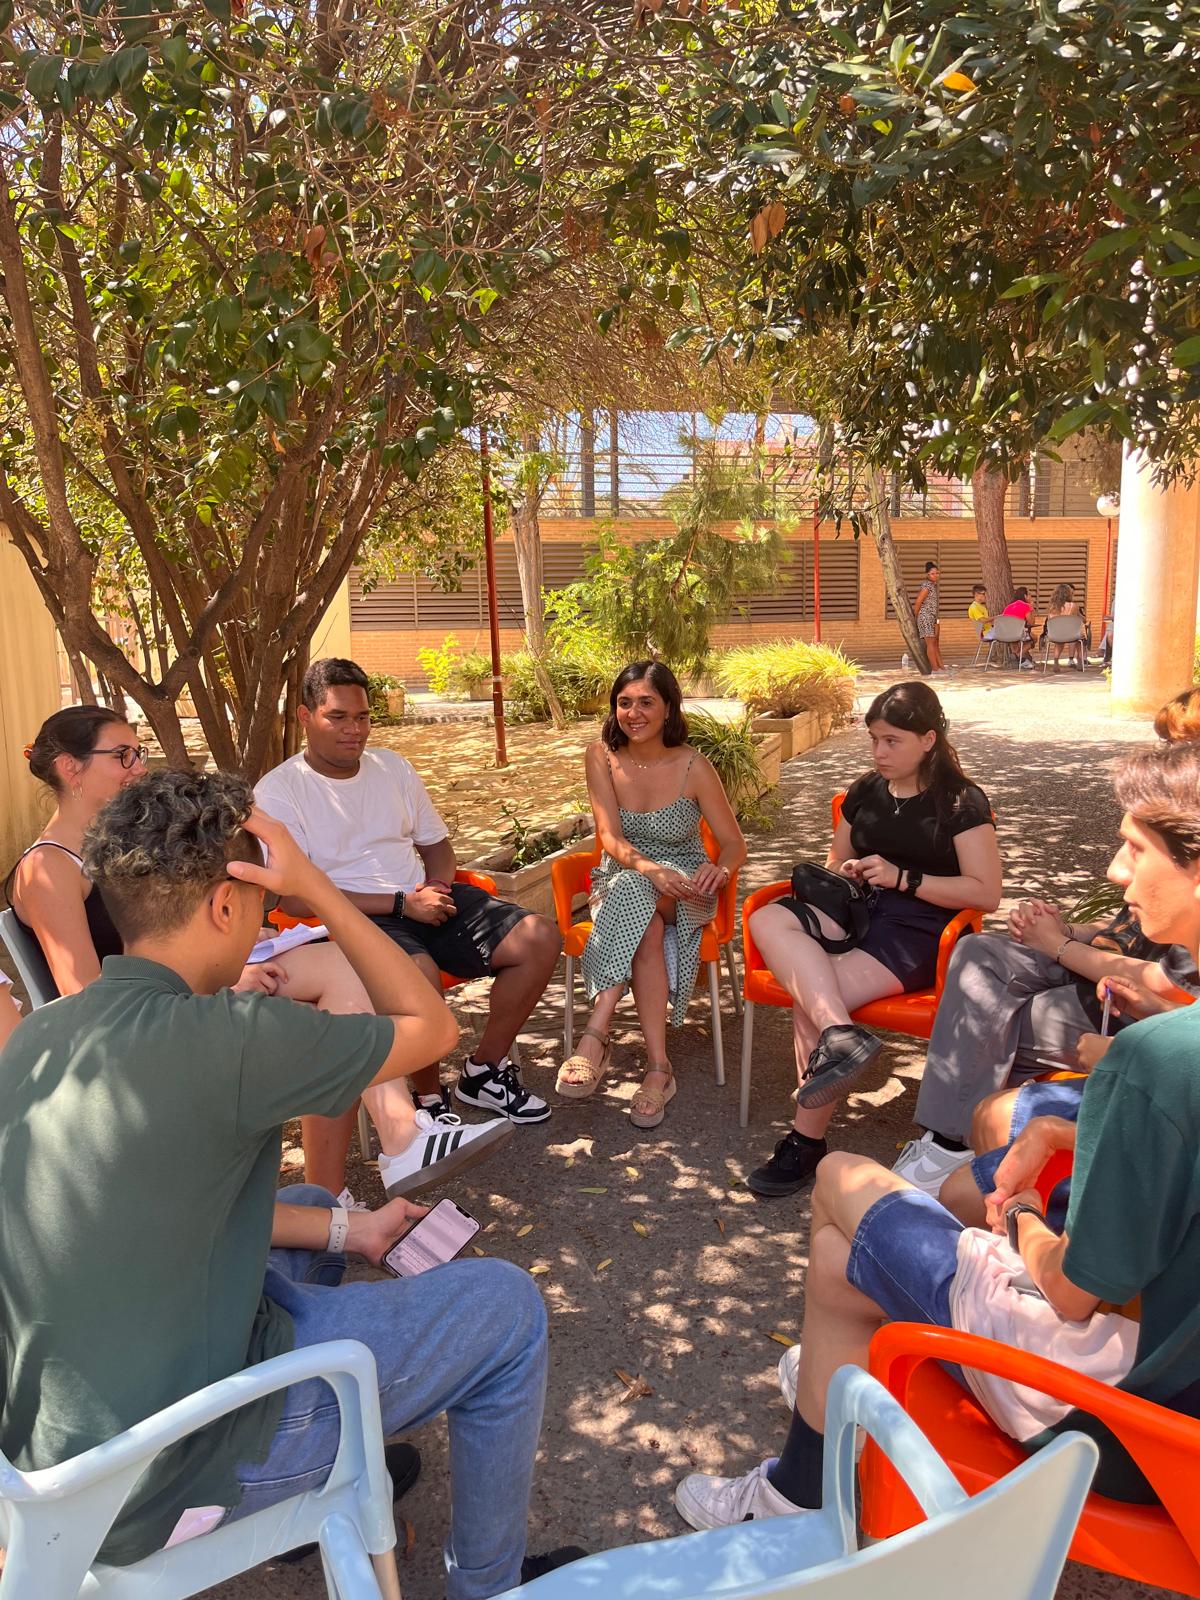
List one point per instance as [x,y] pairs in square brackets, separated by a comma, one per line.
[793,600]
[387,608]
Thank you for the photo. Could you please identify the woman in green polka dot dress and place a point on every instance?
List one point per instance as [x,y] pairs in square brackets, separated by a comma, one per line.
[655,887]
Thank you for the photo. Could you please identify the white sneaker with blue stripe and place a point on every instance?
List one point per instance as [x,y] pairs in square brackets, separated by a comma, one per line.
[439,1151]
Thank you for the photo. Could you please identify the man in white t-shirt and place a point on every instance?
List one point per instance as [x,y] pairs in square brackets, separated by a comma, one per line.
[366,819]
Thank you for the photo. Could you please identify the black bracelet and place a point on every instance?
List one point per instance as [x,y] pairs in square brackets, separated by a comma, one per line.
[899,875]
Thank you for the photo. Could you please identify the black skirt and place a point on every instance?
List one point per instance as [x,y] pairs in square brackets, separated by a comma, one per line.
[903,936]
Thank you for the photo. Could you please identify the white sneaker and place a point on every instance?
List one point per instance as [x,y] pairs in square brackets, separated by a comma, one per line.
[789,1366]
[927,1165]
[707,1502]
[438,1152]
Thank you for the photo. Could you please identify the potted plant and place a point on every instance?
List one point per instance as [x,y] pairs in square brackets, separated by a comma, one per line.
[747,763]
[522,866]
[472,676]
[797,690]
[385,696]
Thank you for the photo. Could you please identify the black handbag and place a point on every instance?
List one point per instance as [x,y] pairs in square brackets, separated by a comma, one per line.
[847,902]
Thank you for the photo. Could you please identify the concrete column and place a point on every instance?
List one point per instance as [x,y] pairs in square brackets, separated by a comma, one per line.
[332,636]
[29,692]
[1158,564]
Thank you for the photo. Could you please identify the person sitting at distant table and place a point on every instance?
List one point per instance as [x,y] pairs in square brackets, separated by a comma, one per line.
[978,612]
[1020,606]
[1064,604]
[366,819]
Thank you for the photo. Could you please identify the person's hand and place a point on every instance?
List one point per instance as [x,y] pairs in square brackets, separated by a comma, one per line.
[1027,1155]
[1028,1197]
[373,1233]
[263,977]
[1090,1048]
[1028,913]
[877,871]
[851,869]
[1132,999]
[429,904]
[671,883]
[709,880]
[1041,927]
[288,871]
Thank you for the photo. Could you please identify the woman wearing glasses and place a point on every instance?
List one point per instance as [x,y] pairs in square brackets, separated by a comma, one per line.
[87,754]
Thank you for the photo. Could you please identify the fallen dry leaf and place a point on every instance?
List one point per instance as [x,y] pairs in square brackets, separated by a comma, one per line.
[536,1271]
[720,1222]
[410,1540]
[780,1338]
[635,1388]
[607,1262]
[478,1251]
[640,1227]
[633,1172]
[570,1161]
[586,1190]
[528,1228]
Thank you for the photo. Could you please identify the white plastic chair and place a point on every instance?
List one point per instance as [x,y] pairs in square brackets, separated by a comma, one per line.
[981,629]
[1007,630]
[1063,630]
[53,1521]
[1008,1543]
[28,960]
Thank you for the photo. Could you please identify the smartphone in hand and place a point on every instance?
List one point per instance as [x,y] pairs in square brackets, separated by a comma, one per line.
[437,1238]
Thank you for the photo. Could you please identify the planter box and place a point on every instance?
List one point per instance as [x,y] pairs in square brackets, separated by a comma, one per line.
[480,691]
[797,734]
[530,886]
[395,702]
[770,760]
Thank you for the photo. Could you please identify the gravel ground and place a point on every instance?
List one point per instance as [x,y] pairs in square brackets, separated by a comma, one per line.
[693,1293]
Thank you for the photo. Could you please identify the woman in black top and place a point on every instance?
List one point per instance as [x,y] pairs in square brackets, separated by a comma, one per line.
[921,835]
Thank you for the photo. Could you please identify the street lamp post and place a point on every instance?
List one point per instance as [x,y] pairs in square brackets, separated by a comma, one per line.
[489,558]
[1108,506]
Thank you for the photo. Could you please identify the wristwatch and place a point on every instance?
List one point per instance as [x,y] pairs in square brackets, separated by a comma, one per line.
[1010,1220]
[339,1230]
[398,903]
[912,882]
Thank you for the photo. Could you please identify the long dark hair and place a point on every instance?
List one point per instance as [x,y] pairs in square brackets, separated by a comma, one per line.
[916,709]
[666,685]
[73,731]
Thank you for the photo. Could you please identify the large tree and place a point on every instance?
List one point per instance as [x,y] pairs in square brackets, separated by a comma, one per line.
[995,203]
[256,264]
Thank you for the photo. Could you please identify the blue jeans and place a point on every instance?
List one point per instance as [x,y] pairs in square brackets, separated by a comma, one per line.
[1034,1100]
[469,1339]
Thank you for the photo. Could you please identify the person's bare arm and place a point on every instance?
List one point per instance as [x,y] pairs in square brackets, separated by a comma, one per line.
[424,1028]
[709,794]
[429,904]
[978,883]
[10,1017]
[51,888]
[1042,1250]
[372,1233]
[840,848]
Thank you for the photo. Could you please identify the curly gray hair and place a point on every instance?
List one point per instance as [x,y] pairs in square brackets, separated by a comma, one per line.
[159,846]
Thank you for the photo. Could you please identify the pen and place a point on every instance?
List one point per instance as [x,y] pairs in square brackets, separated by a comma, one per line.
[1105,1013]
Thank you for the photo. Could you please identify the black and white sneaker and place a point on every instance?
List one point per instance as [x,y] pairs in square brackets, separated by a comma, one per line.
[843,1055]
[438,1107]
[498,1089]
[438,1152]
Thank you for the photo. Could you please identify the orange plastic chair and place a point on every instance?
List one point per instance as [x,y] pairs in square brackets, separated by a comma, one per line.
[1157,1545]
[899,1013]
[572,876]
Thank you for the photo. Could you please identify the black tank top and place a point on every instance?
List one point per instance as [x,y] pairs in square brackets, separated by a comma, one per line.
[105,937]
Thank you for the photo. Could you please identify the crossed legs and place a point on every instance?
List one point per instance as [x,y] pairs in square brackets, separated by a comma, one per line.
[648,980]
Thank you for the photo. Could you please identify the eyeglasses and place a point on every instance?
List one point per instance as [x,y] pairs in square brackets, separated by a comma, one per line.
[127,754]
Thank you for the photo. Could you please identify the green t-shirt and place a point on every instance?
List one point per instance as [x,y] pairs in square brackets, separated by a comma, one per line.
[1133,1223]
[139,1148]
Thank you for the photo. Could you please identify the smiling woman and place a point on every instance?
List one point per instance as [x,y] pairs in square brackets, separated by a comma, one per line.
[655,886]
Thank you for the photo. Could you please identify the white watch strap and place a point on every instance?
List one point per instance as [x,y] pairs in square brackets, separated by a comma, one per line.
[339,1230]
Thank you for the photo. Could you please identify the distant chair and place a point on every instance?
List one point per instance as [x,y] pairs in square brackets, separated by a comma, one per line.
[1063,630]
[52,1522]
[981,628]
[1009,1541]
[1006,631]
[28,959]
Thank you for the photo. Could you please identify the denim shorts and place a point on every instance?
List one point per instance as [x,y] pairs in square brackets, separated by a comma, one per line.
[1035,1100]
[904,1257]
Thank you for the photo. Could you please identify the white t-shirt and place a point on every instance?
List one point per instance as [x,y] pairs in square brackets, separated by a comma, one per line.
[362,831]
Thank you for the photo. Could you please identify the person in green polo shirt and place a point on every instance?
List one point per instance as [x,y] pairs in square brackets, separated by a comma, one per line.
[140,1140]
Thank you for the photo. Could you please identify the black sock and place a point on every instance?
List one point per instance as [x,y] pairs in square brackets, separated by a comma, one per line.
[816,1144]
[797,1473]
[945,1143]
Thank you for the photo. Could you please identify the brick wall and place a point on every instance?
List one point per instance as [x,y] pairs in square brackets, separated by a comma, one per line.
[874,637]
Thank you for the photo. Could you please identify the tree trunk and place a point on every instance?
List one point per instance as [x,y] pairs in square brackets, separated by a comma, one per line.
[82,677]
[989,489]
[893,578]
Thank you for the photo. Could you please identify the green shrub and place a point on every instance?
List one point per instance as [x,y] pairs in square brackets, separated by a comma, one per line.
[787,676]
[439,665]
[378,684]
[732,749]
[471,670]
[525,695]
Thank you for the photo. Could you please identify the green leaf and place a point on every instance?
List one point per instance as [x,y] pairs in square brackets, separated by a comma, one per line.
[130,64]
[1109,243]
[1187,354]
[42,75]
[149,184]
[1031,284]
